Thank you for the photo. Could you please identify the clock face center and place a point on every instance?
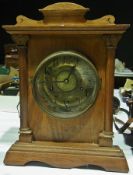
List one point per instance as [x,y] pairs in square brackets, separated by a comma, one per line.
[66,81]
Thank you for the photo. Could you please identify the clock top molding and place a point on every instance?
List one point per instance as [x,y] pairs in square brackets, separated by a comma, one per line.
[65,16]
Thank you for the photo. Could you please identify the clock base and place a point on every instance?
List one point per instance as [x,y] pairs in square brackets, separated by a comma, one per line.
[67,155]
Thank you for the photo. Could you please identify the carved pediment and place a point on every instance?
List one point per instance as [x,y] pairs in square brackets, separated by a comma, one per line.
[65,14]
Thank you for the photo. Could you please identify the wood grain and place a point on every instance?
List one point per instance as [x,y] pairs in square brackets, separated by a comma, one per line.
[74,154]
[83,140]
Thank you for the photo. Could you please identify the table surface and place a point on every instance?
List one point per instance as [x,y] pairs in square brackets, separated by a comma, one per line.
[9,127]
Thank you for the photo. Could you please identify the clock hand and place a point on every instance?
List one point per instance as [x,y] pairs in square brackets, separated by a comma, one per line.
[58,81]
[66,80]
[55,81]
[71,71]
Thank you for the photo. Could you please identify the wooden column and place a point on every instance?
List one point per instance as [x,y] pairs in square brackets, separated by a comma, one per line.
[110,47]
[107,135]
[25,131]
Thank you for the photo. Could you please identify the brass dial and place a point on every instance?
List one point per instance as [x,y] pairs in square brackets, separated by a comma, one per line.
[65,84]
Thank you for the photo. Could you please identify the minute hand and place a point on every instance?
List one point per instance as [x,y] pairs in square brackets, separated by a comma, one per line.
[71,71]
[55,81]
[58,81]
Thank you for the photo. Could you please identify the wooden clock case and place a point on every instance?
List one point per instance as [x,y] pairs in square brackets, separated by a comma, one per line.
[79,141]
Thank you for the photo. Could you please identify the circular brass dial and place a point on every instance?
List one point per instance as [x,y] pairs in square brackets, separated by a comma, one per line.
[65,84]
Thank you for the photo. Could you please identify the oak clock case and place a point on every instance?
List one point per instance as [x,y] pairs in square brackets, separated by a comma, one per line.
[66,65]
[65,84]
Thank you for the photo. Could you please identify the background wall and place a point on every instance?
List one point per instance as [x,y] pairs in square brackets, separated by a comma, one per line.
[122,10]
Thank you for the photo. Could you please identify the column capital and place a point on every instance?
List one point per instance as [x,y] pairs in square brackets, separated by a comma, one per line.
[20,40]
[111,41]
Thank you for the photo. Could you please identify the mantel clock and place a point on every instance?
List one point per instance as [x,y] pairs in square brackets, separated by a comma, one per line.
[66,67]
